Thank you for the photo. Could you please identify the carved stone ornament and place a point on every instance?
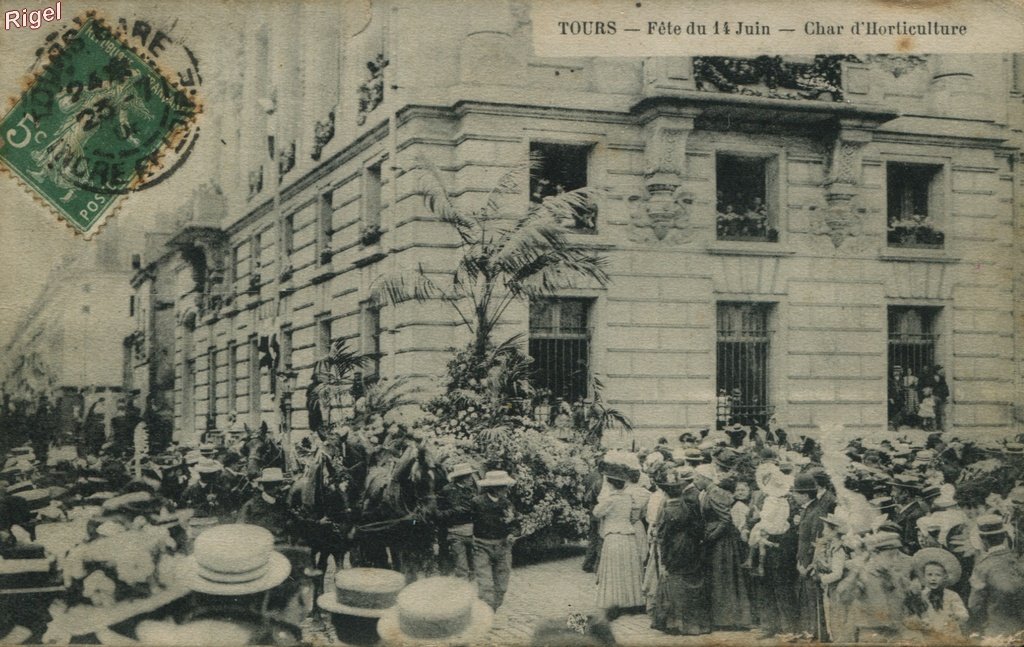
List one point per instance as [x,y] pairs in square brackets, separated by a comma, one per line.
[662,214]
[897,64]
[844,163]
[840,221]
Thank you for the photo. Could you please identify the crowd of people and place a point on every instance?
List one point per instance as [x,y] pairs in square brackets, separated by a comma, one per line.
[877,541]
[883,539]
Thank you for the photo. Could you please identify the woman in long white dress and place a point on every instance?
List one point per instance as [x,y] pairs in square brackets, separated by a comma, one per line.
[620,571]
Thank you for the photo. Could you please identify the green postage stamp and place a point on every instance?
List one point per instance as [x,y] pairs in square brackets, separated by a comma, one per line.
[93,126]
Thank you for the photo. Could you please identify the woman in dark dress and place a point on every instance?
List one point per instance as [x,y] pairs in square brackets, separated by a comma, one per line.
[681,606]
[729,587]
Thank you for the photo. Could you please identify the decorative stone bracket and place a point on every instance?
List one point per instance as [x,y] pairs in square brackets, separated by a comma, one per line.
[841,218]
[662,212]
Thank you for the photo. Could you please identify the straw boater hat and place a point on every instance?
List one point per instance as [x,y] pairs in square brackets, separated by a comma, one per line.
[496,478]
[272,475]
[882,540]
[362,592]
[460,469]
[437,611]
[943,558]
[208,466]
[234,559]
[990,524]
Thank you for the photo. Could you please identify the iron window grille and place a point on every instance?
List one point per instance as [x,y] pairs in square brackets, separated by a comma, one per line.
[911,354]
[743,353]
[560,338]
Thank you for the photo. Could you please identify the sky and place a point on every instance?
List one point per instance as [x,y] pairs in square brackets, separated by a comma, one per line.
[32,237]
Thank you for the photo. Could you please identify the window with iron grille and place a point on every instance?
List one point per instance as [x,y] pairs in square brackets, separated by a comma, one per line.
[743,351]
[913,202]
[912,355]
[561,168]
[560,347]
[744,204]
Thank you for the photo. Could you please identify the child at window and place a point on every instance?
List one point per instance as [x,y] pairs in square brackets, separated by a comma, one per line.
[926,409]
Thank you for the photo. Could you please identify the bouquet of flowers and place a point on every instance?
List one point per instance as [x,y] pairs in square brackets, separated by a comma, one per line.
[125,572]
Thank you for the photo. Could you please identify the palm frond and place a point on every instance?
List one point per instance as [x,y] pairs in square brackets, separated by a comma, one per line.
[439,202]
[414,285]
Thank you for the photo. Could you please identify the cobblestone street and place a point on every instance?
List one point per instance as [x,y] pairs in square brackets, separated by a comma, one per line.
[555,589]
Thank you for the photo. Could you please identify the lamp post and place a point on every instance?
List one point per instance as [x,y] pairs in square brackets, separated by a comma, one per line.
[286,380]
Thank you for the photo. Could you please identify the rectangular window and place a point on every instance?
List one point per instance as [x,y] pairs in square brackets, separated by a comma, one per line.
[285,360]
[912,343]
[131,305]
[913,195]
[255,252]
[371,202]
[742,349]
[560,168]
[212,386]
[369,335]
[744,203]
[323,337]
[560,347]
[324,228]
[255,392]
[232,375]
[288,236]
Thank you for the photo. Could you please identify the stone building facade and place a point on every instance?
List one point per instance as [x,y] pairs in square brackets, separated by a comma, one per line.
[67,345]
[781,234]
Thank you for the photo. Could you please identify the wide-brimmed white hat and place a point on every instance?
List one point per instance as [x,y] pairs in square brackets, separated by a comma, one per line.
[496,478]
[234,559]
[432,596]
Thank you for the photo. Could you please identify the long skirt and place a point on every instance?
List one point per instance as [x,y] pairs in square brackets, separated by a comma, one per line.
[682,605]
[619,573]
[728,584]
[652,573]
[640,534]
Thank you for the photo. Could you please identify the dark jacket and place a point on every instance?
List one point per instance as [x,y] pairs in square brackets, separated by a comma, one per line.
[811,525]
[492,519]
[681,535]
[997,592]
[455,505]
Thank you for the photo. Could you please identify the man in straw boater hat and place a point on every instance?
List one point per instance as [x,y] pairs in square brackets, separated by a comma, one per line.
[269,507]
[997,582]
[241,588]
[493,529]
[455,515]
[206,495]
[936,612]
